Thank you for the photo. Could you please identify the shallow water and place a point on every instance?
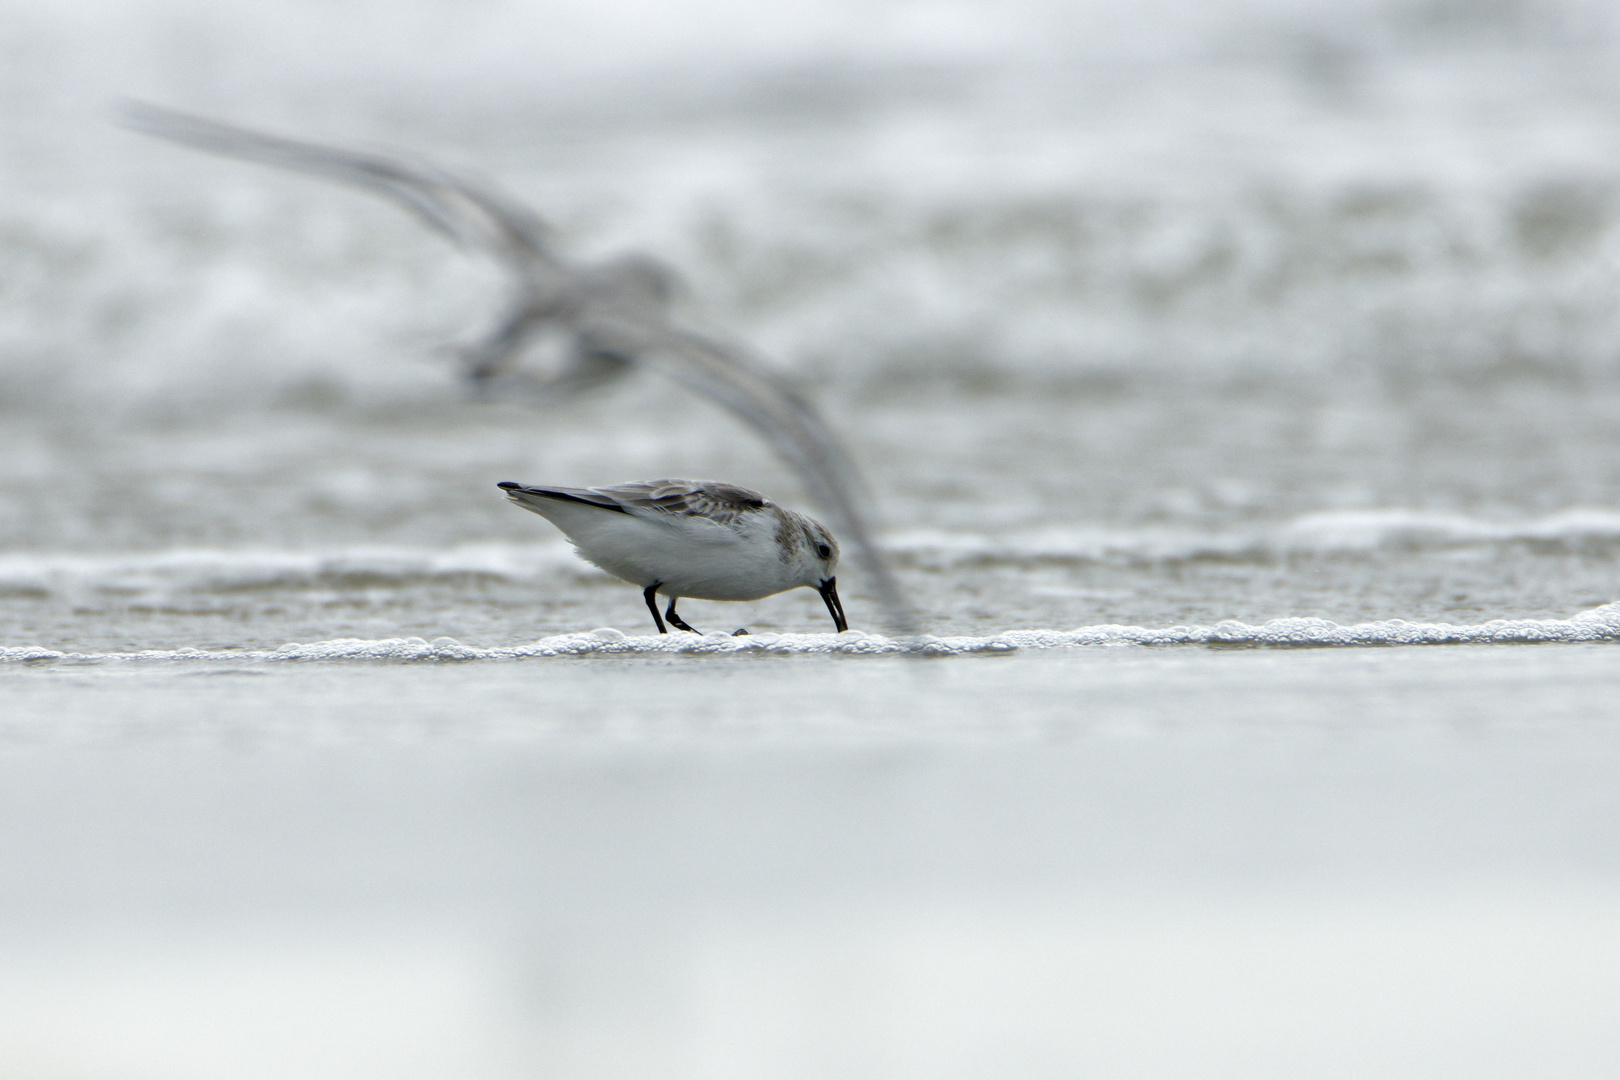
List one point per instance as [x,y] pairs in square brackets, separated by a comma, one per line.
[1239,388]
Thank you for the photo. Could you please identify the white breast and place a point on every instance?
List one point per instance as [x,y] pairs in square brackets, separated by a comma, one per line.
[691,556]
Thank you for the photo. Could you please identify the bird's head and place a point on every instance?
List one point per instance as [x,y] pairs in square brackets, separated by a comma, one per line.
[819,564]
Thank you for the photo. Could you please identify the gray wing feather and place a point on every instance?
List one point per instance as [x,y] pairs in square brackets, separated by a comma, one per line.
[723,503]
[617,314]
[468,213]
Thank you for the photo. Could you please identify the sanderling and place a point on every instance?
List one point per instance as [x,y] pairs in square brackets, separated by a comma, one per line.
[615,314]
[692,538]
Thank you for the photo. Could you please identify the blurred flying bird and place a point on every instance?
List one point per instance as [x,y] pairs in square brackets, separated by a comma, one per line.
[614,314]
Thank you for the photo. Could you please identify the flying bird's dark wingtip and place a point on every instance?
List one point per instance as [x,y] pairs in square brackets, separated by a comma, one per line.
[133,114]
[509,485]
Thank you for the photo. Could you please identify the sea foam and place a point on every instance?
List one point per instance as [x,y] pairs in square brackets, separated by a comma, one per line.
[1595,625]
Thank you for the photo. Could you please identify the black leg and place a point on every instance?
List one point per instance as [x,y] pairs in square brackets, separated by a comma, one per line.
[675,620]
[651,593]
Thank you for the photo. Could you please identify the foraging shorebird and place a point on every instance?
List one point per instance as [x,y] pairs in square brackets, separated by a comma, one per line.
[691,538]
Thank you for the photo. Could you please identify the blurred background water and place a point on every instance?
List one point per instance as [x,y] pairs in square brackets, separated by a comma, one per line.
[1163,315]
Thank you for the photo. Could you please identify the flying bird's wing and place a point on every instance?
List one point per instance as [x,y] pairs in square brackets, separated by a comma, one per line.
[467,213]
[473,215]
[617,314]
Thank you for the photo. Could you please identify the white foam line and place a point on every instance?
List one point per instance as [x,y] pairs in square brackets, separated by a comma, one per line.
[1319,533]
[210,566]
[1361,529]
[1598,624]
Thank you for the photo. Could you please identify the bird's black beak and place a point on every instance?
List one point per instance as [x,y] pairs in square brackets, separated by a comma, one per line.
[829,593]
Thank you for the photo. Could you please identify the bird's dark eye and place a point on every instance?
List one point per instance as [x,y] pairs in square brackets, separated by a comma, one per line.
[823,550]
